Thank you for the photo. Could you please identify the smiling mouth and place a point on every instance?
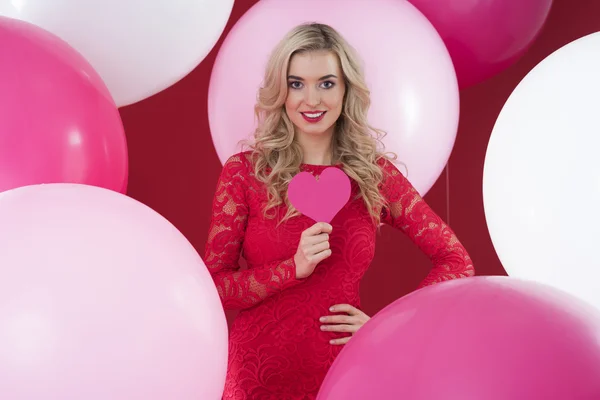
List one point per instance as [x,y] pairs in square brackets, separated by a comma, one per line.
[313,116]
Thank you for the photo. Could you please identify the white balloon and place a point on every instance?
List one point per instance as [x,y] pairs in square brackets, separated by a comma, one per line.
[541,180]
[139,47]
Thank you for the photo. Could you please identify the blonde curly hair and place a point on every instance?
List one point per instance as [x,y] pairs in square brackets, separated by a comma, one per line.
[276,154]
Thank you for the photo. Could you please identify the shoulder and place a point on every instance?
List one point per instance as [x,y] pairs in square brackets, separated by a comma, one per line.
[389,168]
[393,184]
[240,163]
[237,168]
[242,159]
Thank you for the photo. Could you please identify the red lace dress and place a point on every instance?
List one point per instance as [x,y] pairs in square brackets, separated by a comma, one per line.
[277,350]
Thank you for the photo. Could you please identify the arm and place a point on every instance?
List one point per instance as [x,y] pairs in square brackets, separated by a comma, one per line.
[407,211]
[239,289]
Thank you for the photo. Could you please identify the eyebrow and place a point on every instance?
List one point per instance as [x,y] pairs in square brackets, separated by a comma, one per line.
[321,78]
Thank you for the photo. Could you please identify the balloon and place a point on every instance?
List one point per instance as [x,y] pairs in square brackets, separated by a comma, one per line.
[492,338]
[541,178]
[408,69]
[139,48]
[102,298]
[485,37]
[58,122]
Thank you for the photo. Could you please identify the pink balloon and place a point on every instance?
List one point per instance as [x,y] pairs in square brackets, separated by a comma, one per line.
[485,37]
[102,298]
[408,69]
[492,338]
[58,122]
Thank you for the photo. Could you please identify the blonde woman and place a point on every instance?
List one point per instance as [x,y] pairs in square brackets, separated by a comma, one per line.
[299,296]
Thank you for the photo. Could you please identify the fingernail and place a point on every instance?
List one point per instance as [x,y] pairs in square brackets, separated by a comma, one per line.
[322,327]
[331,308]
[332,342]
[322,319]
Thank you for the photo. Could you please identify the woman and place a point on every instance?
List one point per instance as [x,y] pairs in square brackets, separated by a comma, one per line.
[299,297]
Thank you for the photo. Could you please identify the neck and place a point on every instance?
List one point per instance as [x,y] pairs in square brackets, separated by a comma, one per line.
[316,149]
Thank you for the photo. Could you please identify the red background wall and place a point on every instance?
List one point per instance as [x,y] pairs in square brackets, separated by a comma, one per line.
[174,167]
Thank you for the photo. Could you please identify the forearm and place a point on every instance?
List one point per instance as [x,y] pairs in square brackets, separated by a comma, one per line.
[244,289]
[460,267]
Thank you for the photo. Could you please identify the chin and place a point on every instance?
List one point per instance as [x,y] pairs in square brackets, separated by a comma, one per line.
[315,131]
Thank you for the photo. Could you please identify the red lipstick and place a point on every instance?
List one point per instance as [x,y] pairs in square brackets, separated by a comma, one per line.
[313,116]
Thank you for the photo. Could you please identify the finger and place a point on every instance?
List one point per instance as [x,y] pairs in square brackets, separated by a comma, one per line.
[338,319]
[340,328]
[317,248]
[317,228]
[343,340]
[320,238]
[317,258]
[347,308]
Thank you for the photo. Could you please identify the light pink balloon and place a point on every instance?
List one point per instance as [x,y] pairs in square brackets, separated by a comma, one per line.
[58,122]
[485,37]
[102,298]
[492,338]
[407,67]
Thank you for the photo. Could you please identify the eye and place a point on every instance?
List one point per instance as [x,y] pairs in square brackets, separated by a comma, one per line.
[327,85]
[295,84]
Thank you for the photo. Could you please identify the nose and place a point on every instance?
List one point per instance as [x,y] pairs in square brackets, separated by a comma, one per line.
[312,97]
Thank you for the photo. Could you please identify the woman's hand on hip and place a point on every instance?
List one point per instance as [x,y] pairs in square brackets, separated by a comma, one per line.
[350,321]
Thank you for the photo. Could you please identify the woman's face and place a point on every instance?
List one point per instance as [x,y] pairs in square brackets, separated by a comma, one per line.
[315,92]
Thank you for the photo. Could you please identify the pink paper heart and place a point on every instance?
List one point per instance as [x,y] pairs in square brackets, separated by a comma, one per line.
[320,199]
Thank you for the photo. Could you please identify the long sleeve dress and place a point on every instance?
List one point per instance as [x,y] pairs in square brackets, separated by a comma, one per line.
[277,350]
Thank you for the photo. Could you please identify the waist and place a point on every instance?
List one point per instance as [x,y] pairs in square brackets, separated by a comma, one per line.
[299,306]
[290,332]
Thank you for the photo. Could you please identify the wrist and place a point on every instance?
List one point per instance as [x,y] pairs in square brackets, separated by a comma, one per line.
[295,262]
[293,274]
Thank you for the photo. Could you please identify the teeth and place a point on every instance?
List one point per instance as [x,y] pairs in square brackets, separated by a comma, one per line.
[313,115]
